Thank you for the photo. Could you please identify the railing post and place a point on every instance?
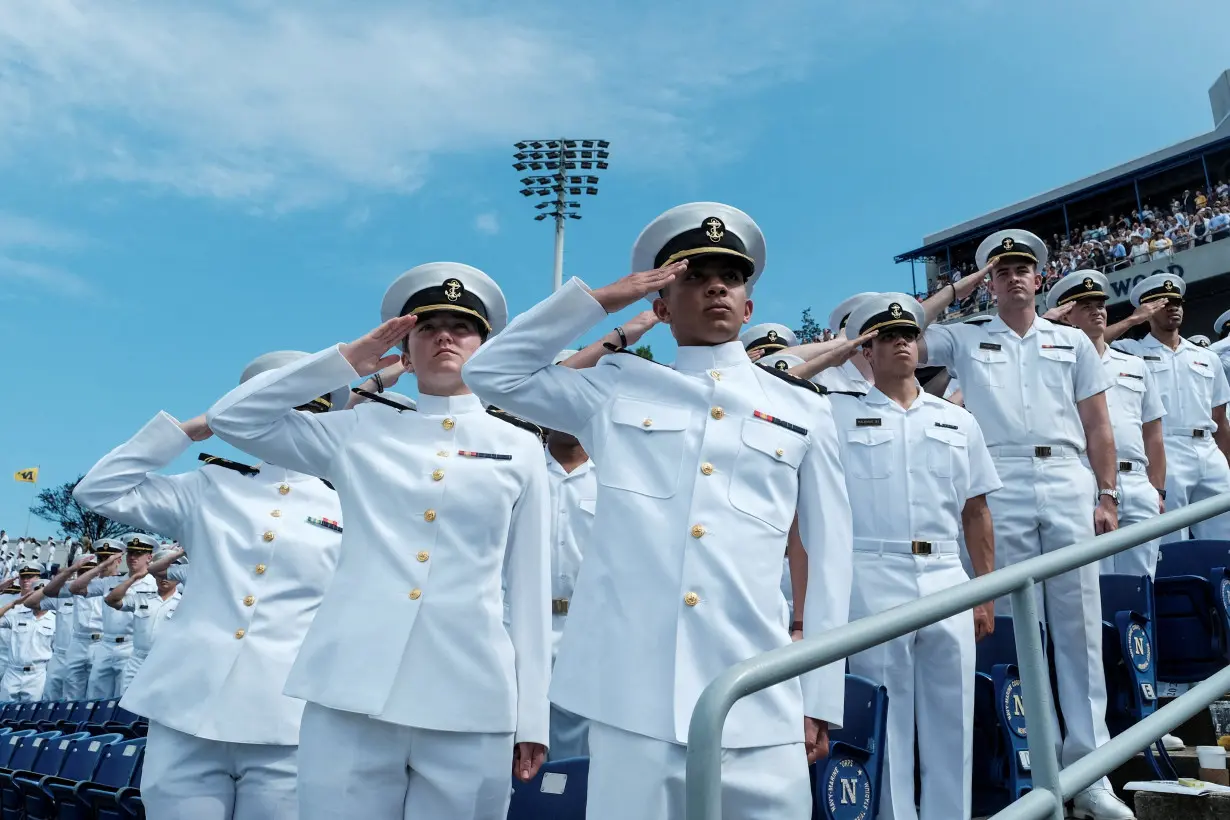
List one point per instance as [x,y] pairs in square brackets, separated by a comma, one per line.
[1039,705]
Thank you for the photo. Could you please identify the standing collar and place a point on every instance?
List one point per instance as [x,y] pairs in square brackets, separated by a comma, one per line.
[449,405]
[876,396]
[708,357]
[997,325]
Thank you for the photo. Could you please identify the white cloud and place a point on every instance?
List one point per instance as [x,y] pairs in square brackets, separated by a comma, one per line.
[50,277]
[291,106]
[18,231]
[24,244]
[487,223]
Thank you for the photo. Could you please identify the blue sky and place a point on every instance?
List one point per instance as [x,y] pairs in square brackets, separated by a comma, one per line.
[185,186]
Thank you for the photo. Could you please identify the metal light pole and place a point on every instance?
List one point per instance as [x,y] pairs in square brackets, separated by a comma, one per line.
[561,156]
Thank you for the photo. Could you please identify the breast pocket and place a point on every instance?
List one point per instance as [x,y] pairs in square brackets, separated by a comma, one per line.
[1055,367]
[944,448]
[870,453]
[1204,384]
[765,484]
[644,449]
[990,367]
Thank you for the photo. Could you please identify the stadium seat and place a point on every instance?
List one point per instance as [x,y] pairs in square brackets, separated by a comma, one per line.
[1001,751]
[78,717]
[59,712]
[8,711]
[557,793]
[103,797]
[104,711]
[129,724]
[41,712]
[20,714]
[42,797]
[848,780]
[1190,597]
[42,754]
[10,744]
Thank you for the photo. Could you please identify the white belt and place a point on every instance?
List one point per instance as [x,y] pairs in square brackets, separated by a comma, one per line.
[918,547]
[1034,451]
[1186,434]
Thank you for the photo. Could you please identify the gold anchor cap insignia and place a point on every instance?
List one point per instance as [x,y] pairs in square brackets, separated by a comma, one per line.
[781,365]
[1168,285]
[452,290]
[772,336]
[894,310]
[1008,243]
[715,229]
[1088,283]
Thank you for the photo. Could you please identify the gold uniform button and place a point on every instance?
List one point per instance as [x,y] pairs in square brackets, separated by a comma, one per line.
[697,531]
[442,453]
[276,513]
[717,412]
[430,515]
[423,556]
[706,469]
[260,569]
[715,375]
[691,599]
[239,633]
[268,536]
[283,488]
[647,423]
[448,424]
[415,594]
[249,601]
[437,475]
[780,452]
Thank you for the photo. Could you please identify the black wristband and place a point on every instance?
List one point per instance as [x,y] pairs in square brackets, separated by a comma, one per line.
[1161,492]
[954,291]
[623,340]
[379,382]
[796,626]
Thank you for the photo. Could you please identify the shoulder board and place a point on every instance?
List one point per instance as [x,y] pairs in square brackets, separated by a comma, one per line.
[793,380]
[242,469]
[853,393]
[379,399]
[614,349]
[516,421]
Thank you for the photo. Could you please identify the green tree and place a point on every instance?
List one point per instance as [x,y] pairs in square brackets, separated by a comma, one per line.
[57,505]
[644,351]
[809,331]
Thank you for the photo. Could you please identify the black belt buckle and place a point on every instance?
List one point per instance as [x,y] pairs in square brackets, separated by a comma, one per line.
[1198,433]
[119,640]
[1042,452]
[1125,466]
[27,669]
[559,606]
[920,547]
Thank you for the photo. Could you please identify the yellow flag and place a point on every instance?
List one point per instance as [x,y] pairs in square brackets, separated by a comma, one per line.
[29,476]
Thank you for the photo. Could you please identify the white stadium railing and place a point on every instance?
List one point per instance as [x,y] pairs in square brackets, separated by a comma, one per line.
[1051,787]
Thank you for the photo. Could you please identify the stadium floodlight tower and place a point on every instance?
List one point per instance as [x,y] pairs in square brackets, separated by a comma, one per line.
[564,160]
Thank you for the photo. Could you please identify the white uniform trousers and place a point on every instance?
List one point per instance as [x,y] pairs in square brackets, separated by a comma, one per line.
[79,661]
[930,680]
[569,735]
[633,775]
[1137,502]
[191,778]
[1046,504]
[57,675]
[352,766]
[23,683]
[1196,470]
[131,668]
[108,659]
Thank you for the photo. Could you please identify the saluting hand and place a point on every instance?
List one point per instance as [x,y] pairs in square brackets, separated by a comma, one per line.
[626,291]
[527,760]
[366,353]
[852,346]
[1060,313]
[1142,314]
[196,429]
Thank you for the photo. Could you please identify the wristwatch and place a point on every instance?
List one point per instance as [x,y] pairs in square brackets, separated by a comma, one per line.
[1114,496]
[1161,491]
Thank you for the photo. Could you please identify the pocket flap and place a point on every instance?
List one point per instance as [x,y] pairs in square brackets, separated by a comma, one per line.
[1135,385]
[870,436]
[587,504]
[1057,355]
[649,416]
[1202,368]
[952,437]
[989,356]
[776,443]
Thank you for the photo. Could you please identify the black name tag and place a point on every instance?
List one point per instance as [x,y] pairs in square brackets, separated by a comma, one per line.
[946,426]
[988,346]
[1152,358]
[867,422]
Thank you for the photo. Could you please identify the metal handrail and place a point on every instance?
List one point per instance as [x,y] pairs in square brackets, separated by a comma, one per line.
[703,788]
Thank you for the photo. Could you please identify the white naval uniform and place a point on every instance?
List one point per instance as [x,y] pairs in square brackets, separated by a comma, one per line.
[30,638]
[1192,383]
[843,379]
[57,667]
[87,632]
[1023,391]
[222,736]
[682,578]
[149,612]
[5,639]
[1132,400]
[111,654]
[1222,348]
[910,473]
[440,505]
[573,496]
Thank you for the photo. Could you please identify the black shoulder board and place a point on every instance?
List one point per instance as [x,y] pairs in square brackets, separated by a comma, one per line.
[242,469]
[794,380]
[516,421]
[379,399]
[853,393]
[613,349]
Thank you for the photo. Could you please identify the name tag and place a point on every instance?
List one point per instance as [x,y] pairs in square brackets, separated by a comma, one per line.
[988,346]
[794,428]
[1152,358]
[1058,347]
[1130,376]
[1201,364]
[326,523]
[867,422]
[143,606]
[495,456]
[946,426]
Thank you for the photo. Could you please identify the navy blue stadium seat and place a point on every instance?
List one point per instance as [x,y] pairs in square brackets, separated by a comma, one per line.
[11,741]
[104,711]
[78,716]
[113,784]
[59,711]
[41,712]
[50,791]
[20,714]
[1191,593]
[1001,751]
[848,780]
[42,754]
[127,723]
[557,793]
[8,711]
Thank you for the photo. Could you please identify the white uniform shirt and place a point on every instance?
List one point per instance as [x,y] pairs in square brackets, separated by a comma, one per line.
[910,471]
[1133,400]
[1222,348]
[573,496]
[843,379]
[701,467]
[30,637]
[86,613]
[117,623]
[1022,390]
[1191,382]
[441,504]
[221,663]
[66,617]
[149,612]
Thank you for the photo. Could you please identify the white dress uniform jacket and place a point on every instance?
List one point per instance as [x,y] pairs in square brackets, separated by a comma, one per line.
[1192,383]
[435,500]
[262,569]
[30,638]
[700,469]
